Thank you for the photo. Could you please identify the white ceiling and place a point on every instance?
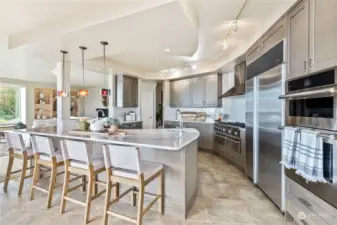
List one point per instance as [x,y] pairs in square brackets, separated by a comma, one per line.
[138,31]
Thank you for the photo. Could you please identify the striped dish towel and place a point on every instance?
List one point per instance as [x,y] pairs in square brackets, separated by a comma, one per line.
[290,140]
[309,156]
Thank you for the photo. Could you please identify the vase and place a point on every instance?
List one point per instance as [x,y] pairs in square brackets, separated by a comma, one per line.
[113,129]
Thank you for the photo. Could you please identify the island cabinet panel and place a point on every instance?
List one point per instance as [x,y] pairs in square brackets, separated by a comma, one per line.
[323,27]
[198,92]
[298,36]
[180,93]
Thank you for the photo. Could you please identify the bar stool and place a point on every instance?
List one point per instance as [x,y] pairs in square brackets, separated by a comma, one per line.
[78,159]
[17,150]
[123,165]
[45,155]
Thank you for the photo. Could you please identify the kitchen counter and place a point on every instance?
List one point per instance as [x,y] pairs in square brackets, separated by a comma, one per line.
[177,154]
[206,121]
[150,138]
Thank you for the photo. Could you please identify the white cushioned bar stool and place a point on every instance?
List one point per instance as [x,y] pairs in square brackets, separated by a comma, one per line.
[45,155]
[17,150]
[78,159]
[124,166]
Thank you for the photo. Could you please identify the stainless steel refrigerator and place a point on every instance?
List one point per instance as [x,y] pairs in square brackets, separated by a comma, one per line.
[264,115]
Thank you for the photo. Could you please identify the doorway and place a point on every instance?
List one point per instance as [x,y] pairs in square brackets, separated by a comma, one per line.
[159,104]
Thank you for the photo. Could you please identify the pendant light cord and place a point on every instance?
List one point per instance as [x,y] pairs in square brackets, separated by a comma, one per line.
[82,68]
[104,43]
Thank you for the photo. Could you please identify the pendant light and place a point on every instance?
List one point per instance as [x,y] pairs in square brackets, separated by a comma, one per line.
[105,91]
[62,92]
[83,92]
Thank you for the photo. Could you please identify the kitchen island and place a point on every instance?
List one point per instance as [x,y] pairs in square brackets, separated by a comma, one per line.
[177,153]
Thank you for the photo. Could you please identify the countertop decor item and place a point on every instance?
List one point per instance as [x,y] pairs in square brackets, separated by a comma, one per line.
[112,124]
[96,125]
[20,125]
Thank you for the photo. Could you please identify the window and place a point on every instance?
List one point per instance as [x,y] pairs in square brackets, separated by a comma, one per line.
[9,103]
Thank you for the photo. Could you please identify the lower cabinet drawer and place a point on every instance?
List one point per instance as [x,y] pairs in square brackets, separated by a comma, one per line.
[312,202]
[301,214]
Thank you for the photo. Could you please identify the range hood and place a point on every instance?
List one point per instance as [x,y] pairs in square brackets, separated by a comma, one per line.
[239,81]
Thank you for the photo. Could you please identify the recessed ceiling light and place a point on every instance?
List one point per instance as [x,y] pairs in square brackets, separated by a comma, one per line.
[99,69]
[194,66]
[167,50]
[225,45]
[156,62]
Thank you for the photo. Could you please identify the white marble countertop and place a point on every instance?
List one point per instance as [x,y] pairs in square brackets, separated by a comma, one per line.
[208,121]
[167,139]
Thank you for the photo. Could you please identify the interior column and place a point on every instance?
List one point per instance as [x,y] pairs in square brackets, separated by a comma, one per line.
[111,86]
[63,83]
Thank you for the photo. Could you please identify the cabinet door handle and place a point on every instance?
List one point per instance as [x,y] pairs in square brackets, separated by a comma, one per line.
[306,203]
[305,66]
[309,63]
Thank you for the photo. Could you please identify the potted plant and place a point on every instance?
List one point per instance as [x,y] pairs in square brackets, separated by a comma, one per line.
[112,124]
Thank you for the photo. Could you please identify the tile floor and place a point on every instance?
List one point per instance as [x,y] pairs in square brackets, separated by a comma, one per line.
[225,197]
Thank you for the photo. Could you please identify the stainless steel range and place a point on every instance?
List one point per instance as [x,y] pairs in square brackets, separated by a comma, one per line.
[229,139]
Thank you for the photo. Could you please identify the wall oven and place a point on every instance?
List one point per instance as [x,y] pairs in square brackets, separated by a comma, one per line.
[312,101]
[326,191]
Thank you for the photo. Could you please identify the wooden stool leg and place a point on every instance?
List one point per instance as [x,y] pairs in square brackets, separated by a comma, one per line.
[36,176]
[23,172]
[116,191]
[52,183]
[161,193]
[84,183]
[89,195]
[65,186]
[134,197]
[9,169]
[107,201]
[140,201]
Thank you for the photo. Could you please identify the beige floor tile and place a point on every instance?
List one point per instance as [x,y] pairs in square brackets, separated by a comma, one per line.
[225,197]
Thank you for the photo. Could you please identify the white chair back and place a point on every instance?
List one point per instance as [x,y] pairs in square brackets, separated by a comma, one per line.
[122,157]
[43,145]
[15,142]
[76,150]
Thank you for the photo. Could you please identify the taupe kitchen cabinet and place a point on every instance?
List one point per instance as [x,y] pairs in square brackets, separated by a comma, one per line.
[126,91]
[274,35]
[312,37]
[298,36]
[180,93]
[205,91]
[205,140]
[198,91]
[323,35]
[253,53]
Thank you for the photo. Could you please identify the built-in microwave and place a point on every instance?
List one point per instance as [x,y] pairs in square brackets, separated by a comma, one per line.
[311,100]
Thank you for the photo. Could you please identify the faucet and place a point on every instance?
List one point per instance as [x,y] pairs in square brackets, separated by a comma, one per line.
[100,111]
[181,123]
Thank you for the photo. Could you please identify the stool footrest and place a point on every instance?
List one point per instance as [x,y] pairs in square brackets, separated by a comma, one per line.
[75,187]
[40,189]
[98,194]
[122,217]
[121,196]
[151,204]
[74,201]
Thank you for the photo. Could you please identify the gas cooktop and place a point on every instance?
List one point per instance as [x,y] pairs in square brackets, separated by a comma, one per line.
[234,124]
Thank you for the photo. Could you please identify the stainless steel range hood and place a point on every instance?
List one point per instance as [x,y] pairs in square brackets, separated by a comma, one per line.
[239,82]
